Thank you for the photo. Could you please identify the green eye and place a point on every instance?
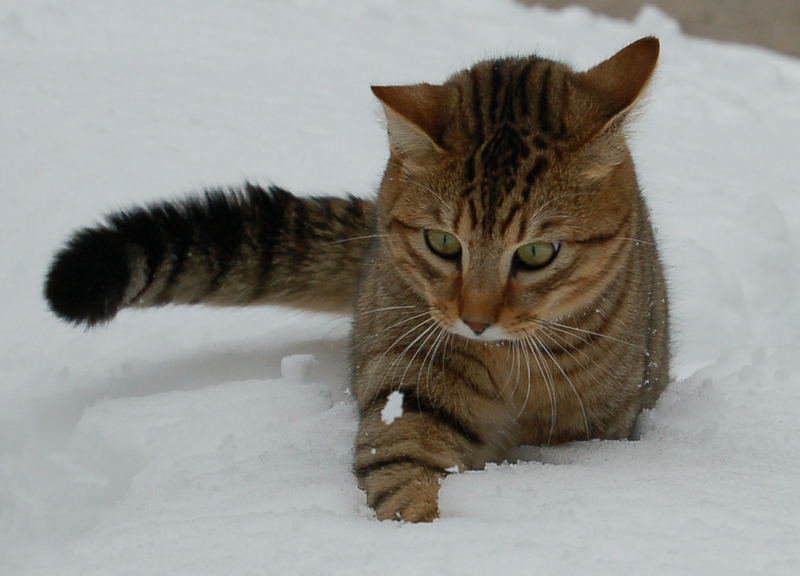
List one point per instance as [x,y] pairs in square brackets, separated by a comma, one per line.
[536,255]
[442,243]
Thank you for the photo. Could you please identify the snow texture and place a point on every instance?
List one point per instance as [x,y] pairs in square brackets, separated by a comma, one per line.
[192,441]
[298,367]
[393,408]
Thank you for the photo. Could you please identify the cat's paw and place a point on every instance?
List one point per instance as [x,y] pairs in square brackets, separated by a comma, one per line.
[414,501]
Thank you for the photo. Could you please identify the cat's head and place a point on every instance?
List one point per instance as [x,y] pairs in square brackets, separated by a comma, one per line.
[510,195]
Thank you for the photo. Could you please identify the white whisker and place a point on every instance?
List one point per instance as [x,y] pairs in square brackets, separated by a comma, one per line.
[392,366]
[392,326]
[421,187]
[549,383]
[430,331]
[559,340]
[342,241]
[389,349]
[376,310]
[571,384]
[584,331]
[557,198]
[441,334]
[528,390]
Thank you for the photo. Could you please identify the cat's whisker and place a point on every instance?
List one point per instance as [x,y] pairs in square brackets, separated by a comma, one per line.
[447,340]
[569,381]
[354,238]
[386,309]
[392,327]
[510,361]
[426,333]
[558,338]
[554,330]
[568,348]
[417,326]
[509,358]
[515,361]
[420,186]
[528,390]
[563,345]
[431,332]
[540,210]
[430,358]
[575,329]
[549,383]
[636,240]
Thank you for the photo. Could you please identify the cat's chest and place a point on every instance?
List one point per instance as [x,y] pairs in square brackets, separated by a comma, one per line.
[539,402]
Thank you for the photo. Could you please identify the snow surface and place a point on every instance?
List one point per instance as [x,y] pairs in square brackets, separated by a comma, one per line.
[298,367]
[170,443]
[393,408]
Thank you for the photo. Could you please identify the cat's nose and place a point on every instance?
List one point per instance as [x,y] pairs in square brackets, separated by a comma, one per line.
[477,327]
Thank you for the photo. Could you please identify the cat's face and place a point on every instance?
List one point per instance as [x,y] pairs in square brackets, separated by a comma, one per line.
[509,200]
[496,264]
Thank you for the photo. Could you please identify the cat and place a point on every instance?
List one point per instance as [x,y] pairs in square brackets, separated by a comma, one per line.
[506,285]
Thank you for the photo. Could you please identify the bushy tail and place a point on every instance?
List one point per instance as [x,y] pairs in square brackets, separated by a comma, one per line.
[249,246]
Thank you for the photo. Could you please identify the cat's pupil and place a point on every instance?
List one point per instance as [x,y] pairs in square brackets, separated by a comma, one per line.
[536,255]
[442,243]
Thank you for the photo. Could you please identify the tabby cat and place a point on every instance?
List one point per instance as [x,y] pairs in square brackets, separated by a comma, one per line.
[505,284]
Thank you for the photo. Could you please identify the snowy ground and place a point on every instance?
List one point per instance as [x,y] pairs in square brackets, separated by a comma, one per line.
[188,441]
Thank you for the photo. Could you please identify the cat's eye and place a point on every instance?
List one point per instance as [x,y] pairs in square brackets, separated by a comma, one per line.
[442,243]
[536,255]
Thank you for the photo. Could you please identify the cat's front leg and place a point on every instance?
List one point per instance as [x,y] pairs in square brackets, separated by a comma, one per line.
[404,451]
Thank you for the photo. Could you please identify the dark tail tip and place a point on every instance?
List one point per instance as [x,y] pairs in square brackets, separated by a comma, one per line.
[88,277]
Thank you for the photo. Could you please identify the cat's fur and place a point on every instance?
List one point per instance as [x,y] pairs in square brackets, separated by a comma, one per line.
[487,352]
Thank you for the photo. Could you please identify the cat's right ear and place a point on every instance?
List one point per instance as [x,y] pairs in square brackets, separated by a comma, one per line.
[618,83]
[612,90]
[416,117]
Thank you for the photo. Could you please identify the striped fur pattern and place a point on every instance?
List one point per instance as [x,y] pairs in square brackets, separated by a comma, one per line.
[248,246]
[506,283]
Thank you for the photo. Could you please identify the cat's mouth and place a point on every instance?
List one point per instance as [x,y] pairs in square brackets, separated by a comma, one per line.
[487,333]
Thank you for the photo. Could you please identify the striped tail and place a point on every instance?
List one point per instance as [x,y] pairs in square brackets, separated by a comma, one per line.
[249,246]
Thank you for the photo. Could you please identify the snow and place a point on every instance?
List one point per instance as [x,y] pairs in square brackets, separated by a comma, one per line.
[298,367]
[192,441]
[393,408]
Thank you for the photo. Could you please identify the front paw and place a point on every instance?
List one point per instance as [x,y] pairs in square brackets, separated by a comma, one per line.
[403,491]
[416,501]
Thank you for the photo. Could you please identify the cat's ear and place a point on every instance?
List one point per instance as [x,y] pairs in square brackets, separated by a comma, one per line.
[611,89]
[619,82]
[416,118]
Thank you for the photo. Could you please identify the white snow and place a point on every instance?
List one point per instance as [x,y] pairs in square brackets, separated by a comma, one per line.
[298,367]
[170,443]
[393,408]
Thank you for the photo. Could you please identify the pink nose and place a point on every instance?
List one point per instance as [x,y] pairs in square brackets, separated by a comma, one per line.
[477,327]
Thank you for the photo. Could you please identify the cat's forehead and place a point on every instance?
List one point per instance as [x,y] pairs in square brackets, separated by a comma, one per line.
[515,125]
[514,102]
[512,140]
[502,214]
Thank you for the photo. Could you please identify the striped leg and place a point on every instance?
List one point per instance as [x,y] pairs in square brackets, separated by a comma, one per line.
[401,463]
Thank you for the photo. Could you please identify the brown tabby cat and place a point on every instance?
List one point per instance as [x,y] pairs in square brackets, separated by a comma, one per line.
[506,283]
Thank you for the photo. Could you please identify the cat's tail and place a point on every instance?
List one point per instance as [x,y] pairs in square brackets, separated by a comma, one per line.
[248,246]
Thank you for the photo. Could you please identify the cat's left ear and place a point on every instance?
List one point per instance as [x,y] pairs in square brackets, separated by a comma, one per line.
[619,82]
[417,117]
